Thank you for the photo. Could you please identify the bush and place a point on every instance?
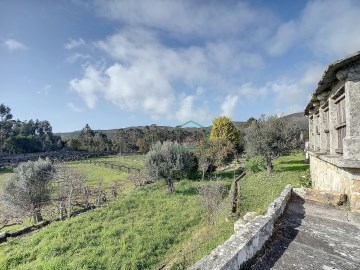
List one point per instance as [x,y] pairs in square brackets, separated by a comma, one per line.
[211,195]
[255,164]
[167,161]
[28,190]
[305,179]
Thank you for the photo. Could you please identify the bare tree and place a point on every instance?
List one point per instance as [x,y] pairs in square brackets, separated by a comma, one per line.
[70,182]
[211,195]
[204,160]
[101,195]
[116,188]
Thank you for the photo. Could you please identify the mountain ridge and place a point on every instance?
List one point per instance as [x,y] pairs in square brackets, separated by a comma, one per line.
[297,118]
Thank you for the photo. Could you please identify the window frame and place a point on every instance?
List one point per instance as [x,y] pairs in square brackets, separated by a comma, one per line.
[340,127]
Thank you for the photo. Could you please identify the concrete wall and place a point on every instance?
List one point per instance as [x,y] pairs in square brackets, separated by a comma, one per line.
[332,174]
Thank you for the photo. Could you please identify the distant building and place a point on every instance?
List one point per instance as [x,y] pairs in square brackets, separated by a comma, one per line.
[334,130]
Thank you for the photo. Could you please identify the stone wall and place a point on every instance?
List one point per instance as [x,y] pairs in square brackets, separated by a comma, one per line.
[337,174]
[247,240]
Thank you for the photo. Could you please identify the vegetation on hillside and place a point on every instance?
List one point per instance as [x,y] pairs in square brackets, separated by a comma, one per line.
[139,225]
[270,138]
[25,137]
[149,228]
[223,128]
[166,161]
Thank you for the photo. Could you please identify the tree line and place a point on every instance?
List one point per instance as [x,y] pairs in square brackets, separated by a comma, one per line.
[133,140]
[36,184]
[267,138]
[26,136]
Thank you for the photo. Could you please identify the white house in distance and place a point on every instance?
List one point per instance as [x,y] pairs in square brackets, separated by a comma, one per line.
[334,127]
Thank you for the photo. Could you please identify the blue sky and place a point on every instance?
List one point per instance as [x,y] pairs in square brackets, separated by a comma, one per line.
[114,64]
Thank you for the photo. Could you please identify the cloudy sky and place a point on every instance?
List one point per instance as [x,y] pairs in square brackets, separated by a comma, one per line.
[121,63]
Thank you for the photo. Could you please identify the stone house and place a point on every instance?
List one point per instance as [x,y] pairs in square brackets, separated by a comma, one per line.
[334,130]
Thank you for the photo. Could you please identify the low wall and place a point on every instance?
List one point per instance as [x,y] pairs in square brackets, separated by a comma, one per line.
[247,240]
[336,174]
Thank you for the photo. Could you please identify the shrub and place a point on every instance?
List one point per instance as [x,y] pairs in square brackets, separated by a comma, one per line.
[211,196]
[166,161]
[305,179]
[255,164]
[28,190]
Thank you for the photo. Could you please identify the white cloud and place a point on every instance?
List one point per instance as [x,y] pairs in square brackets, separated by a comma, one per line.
[188,111]
[312,74]
[76,57]
[14,45]
[88,87]
[326,27]
[73,107]
[144,74]
[283,39]
[249,92]
[133,89]
[74,43]
[200,18]
[228,105]
[285,95]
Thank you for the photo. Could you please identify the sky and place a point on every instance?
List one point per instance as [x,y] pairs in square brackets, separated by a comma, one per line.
[116,63]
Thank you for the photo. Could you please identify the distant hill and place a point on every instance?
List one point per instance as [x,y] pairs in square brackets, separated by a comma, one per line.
[297,118]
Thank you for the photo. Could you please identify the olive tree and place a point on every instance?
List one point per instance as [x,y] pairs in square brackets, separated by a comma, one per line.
[270,138]
[28,190]
[166,161]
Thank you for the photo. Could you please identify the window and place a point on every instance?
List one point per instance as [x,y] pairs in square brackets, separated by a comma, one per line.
[340,127]
[312,138]
[325,119]
[317,134]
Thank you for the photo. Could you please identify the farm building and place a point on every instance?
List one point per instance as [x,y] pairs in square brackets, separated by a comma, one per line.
[334,127]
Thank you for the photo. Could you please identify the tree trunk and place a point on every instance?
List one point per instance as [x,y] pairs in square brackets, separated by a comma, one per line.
[203,175]
[269,165]
[69,203]
[171,188]
[61,210]
[37,215]
[86,197]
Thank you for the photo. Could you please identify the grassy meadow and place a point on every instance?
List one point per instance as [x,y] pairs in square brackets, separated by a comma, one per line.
[146,228]
[258,190]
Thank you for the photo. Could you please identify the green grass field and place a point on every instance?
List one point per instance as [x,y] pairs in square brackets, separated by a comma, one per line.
[144,230]
[148,228]
[135,161]
[257,190]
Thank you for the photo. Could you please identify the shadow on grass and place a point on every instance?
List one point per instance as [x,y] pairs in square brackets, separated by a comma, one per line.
[298,168]
[292,162]
[230,174]
[189,191]
[6,170]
